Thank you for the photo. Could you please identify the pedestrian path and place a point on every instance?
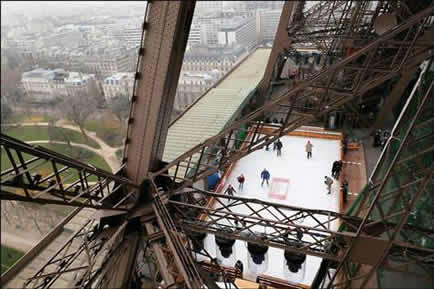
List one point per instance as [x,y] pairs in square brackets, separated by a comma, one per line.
[107,152]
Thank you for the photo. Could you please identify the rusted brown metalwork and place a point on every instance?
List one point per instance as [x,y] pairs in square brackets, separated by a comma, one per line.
[342,30]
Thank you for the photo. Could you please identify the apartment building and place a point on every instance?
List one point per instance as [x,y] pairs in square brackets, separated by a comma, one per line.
[47,86]
[118,85]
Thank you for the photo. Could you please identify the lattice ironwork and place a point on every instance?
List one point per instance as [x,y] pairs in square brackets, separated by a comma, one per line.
[94,252]
[69,182]
[83,255]
[326,91]
[313,232]
[402,179]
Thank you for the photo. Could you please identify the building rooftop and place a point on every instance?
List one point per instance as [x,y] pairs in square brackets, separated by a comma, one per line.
[39,73]
[217,107]
[119,76]
[213,53]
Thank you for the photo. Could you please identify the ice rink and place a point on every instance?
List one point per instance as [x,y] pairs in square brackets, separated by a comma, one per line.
[294,181]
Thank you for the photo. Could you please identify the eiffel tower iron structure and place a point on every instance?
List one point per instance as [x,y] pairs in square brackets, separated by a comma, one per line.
[152,212]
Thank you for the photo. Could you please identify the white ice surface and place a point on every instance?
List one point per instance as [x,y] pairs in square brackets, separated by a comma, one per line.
[306,189]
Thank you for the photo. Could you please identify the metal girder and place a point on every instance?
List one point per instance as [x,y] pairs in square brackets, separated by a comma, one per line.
[69,182]
[36,250]
[183,259]
[313,232]
[198,160]
[83,255]
[280,43]
[379,59]
[164,44]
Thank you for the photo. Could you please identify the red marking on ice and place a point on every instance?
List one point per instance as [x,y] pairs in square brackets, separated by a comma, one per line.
[278,188]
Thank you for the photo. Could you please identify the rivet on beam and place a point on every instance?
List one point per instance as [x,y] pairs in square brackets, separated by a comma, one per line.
[138,75]
[145,24]
[131,120]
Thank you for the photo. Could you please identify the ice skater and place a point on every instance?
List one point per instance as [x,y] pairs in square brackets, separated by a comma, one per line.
[328,181]
[309,147]
[279,146]
[241,179]
[239,266]
[338,169]
[335,168]
[230,191]
[265,176]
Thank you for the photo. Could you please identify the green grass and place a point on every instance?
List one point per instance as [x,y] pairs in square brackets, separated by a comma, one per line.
[119,154]
[19,117]
[8,257]
[33,133]
[80,154]
[108,130]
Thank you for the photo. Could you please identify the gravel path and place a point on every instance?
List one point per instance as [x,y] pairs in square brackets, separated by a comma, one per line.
[18,241]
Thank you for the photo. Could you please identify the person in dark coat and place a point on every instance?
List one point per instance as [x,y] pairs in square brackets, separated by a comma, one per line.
[377,138]
[239,266]
[241,179]
[344,146]
[335,168]
[230,191]
[279,146]
[345,191]
[265,176]
[338,169]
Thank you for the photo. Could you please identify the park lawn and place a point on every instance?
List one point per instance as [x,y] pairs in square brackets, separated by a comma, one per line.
[21,117]
[7,260]
[34,133]
[87,157]
[108,130]
[119,154]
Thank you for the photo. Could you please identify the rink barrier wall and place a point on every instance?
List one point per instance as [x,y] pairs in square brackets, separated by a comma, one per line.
[278,283]
[307,133]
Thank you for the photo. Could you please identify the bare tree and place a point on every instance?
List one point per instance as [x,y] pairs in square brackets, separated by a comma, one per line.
[120,106]
[77,107]
[10,81]
[6,112]
[56,133]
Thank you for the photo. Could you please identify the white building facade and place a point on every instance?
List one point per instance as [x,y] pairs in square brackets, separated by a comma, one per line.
[47,86]
[118,85]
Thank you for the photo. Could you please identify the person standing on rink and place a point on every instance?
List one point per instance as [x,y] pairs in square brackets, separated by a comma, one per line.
[241,180]
[279,146]
[309,147]
[335,169]
[265,176]
[328,181]
[338,169]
